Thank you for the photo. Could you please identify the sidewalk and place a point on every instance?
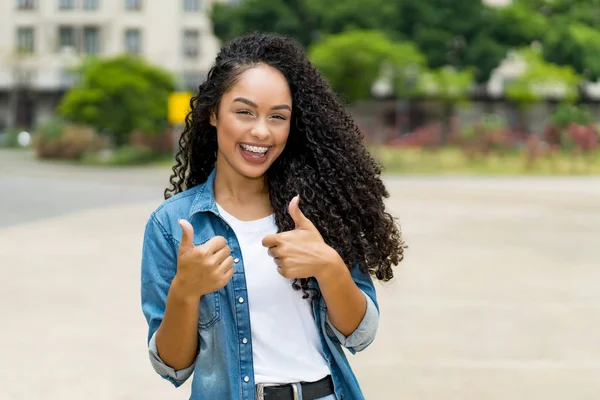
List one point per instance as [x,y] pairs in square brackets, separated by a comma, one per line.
[499,298]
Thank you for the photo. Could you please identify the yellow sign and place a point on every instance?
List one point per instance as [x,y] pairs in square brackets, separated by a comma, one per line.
[179,107]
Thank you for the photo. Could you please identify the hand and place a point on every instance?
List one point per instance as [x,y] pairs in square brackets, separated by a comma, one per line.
[302,252]
[203,269]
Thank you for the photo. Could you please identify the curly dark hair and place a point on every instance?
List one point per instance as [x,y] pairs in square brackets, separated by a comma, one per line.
[324,161]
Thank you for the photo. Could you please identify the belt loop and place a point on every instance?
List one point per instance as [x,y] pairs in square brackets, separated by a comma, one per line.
[297,390]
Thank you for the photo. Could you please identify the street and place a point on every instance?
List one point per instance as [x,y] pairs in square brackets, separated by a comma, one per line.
[498,297]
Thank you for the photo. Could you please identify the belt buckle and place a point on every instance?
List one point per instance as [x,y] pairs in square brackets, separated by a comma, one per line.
[260,390]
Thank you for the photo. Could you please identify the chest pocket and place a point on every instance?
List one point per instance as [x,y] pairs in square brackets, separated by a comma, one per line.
[210,306]
[210,310]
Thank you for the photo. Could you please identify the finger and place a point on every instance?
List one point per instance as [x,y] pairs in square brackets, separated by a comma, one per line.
[299,218]
[287,273]
[275,252]
[271,240]
[225,266]
[212,246]
[220,255]
[187,236]
[228,275]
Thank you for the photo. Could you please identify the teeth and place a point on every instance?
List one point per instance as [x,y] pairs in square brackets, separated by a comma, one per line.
[254,149]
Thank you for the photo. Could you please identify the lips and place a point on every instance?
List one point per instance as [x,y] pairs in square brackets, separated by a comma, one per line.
[254,154]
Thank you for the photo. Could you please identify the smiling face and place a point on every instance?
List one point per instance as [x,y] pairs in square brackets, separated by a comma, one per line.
[253,122]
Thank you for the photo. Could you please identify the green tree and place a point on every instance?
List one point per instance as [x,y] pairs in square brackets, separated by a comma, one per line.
[288,17]
[119,95]
[448,85]
[456,33]
[517,25]
[541,80]
[577,45]
[443,31]
[352,73]
[585,11]
[338,16]
[572,38]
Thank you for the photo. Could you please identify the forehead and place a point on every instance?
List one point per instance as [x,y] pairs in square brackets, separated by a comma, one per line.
[261,84]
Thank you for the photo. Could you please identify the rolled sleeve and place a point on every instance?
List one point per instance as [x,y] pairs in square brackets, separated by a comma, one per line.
[159,264]
[364,334]
[177,378]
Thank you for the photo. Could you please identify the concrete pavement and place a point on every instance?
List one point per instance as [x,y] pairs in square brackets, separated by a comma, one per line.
[498,298]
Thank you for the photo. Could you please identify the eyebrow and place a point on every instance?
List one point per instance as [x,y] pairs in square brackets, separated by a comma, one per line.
[253,104]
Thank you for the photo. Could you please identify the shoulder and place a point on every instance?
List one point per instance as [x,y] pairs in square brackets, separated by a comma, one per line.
[180,203]
[166,216]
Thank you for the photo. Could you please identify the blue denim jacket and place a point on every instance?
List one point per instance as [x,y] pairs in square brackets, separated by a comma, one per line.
[223,368]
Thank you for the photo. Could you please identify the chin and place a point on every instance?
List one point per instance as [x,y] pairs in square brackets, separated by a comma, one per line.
[255,172]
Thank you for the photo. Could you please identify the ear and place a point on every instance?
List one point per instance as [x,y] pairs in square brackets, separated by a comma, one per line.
[213,118]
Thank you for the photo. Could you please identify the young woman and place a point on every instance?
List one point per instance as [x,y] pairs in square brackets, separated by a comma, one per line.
[256,269]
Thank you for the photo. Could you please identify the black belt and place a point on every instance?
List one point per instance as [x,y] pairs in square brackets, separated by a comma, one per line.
[310,390]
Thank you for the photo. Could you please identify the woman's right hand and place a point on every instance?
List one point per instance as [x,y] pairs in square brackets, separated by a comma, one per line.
[203,269]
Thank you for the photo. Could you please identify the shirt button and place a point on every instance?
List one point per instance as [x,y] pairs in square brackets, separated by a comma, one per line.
[241,299]
[244,340]
[246,379]
[236,260]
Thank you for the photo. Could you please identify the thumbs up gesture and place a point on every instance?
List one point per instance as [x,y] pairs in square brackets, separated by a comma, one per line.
[302,252]
[201,269]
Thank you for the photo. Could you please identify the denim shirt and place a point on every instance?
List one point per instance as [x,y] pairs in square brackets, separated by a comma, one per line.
[223,368]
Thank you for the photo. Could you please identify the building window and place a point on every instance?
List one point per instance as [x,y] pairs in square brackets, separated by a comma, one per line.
[133,4]
[25,40]
[91,4]
[66,37]
[191,43]
[66,4]
[191,5]
[26,4]
[133,41]
[91,40]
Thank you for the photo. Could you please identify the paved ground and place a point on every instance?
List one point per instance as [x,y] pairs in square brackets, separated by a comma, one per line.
[499,297]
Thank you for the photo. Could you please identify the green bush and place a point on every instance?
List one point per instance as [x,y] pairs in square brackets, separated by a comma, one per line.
[9,139]
[565,114]
[119,95]
[60,139]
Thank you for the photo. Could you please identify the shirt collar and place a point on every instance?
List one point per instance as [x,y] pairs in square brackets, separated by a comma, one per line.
[205,197]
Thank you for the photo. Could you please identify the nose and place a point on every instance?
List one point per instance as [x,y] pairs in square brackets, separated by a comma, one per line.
[260,131]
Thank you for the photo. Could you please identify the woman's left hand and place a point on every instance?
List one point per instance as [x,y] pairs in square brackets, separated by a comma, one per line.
[302,252]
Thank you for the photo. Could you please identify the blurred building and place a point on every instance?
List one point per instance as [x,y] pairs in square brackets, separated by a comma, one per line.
[40,40]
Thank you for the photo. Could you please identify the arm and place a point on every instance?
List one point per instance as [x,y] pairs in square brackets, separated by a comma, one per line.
[349,296]
[177,335]
[168,317]
[346,303]
[174,280]
[367,316]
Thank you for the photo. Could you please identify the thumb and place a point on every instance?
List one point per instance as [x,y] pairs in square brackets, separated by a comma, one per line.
[187,237]
[299,218]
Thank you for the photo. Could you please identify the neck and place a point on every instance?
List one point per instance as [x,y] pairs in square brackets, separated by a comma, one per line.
[230,187]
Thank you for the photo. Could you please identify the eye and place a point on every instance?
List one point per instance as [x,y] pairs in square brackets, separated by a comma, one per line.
[281,117]
[243,112]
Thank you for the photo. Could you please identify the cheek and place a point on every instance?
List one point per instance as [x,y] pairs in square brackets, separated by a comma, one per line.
[282,135]
[229,130]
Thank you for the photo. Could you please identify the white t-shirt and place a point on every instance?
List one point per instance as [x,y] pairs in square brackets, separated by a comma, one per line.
[286,346]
